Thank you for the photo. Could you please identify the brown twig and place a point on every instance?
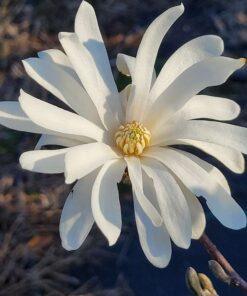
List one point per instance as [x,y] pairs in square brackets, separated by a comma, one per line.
[235,279]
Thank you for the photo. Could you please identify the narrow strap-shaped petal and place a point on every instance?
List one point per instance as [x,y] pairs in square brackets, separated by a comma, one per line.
[124,96]
[231,158]
[172,203]
[217,108]
[155,241]
[213,171]
[105,199]
[60,59]
[83,159]
[44,161]
[12,116]
[219,133]
[210,72]
[63,86]
[187,55]
[88,32]
[198,219]
[56,119]
[92,79]
[46,140]
[135,174]
[128,113]
[146,57]
[201,183]
[77,218]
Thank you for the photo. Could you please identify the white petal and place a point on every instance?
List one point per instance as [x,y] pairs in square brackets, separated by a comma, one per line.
[135,174]
[77,218]
[12,116]
[124,96]
[56,140]
[219,133]
[129,106]
[83,159]
[60,59]
[126,65]
[209,72]
[146,56]
[231,158]
[105,199]
[87,30]
[213,171]
[210,107]
[95,78]
[59,120]
[187,55]
[155,241]
[172,203]
[44,161]
[62,85]
[198,219]
[221,204]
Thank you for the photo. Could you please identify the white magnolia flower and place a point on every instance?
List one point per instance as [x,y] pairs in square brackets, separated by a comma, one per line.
[108,131]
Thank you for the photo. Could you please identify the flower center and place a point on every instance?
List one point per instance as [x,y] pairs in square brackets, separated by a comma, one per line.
[132,138]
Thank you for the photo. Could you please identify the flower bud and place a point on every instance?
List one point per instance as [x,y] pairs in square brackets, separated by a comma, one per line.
[193,282]
[219,272]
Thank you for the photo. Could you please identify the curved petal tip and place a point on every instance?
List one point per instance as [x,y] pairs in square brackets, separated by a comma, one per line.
[113,239]
[242,62]
[181,6]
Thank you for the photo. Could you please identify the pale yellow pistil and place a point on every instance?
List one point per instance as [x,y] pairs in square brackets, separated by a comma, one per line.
[132,138]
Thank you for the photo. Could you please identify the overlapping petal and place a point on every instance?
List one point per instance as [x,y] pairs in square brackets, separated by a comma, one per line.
[210,72]
[44,161]
[105,199]
[172,203]
[198,219]
[61,60]
[12,116]
[77,217]
[213,171]
[135,174]
[56,119]
[87,30]
[196,178]
[124,96]
[165,181]
[155,241]
[63,86]
[231,158]
[93,80]
[146,57]
[187,55]
[219,133]
[83,159]
[126,65]
[46,140]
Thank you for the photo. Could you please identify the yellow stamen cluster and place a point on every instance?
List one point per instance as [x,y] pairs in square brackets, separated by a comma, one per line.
[132,138]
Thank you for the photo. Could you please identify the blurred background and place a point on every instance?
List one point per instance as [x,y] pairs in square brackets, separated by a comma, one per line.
[31,258]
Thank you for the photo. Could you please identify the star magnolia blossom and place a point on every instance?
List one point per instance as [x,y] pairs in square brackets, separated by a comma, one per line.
[109,131]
